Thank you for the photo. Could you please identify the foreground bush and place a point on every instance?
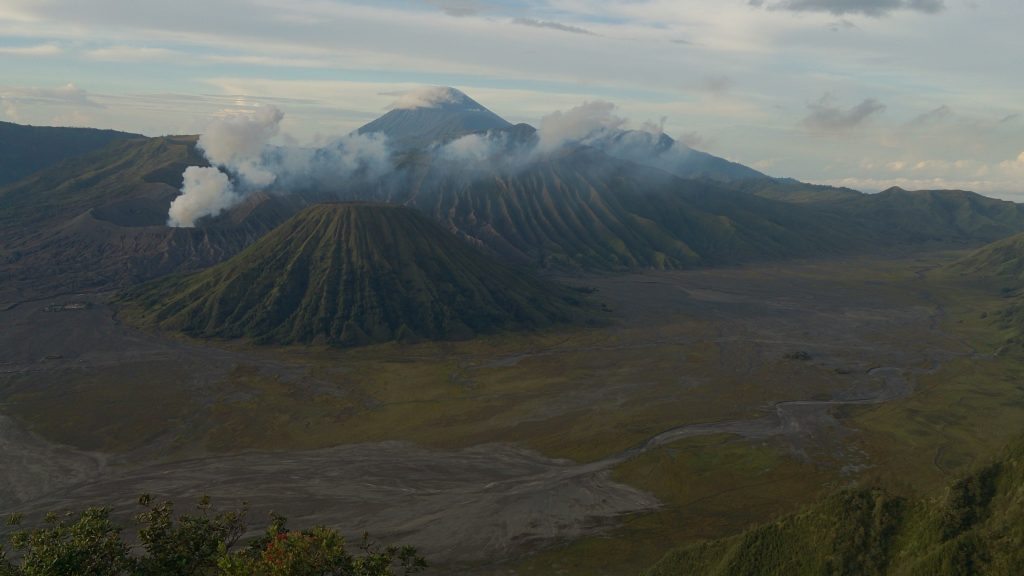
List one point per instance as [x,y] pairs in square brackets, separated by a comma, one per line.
[202,543]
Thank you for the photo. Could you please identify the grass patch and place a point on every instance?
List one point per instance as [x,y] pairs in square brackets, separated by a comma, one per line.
[712,486]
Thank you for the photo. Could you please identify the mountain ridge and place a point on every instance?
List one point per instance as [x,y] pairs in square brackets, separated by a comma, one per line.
[26,149]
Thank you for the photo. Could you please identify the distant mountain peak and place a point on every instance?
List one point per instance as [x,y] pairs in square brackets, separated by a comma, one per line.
[434,97]
[434,114]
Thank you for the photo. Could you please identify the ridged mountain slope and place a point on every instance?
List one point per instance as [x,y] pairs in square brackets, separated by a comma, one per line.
[350,274]
[584,209]
[661,151]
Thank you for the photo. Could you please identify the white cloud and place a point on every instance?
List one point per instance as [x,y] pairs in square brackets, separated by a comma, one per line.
[273,61]
[131,54]
[36,50]
[769,61]
[840,7]
[68,94]
[429,97]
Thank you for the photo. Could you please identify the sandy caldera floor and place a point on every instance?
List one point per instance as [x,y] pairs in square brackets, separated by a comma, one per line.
[486,502]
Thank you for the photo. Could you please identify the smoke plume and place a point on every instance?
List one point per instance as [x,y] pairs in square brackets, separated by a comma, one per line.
[243,162]
[580,124]
[593,124]
[206,191]
[236,142]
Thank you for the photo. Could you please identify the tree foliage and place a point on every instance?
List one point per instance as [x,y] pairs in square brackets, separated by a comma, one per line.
[198,543]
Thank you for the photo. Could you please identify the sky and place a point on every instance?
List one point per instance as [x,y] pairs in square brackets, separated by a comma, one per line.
[861,93]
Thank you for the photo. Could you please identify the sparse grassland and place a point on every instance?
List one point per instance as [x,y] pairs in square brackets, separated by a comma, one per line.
[685,348]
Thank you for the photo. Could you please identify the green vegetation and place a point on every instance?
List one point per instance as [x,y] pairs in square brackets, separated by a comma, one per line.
[976,527]
[350,275]
[1002,261]
[932,216]
[711,487]
[202,543]
[703,354]
[28,149]
[998,268]
[96,222]
[586,210]
[139,168]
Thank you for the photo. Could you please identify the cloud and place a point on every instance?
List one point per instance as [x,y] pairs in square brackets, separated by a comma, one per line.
[718,84]
[358,157]
[552,26]
[577,124]
[825,117]
[457,8]
[37,50]
[68,94]
[10,110]
[874,8]
[931,117]
[842,24]
[481,154]
[694,140]
[131,54]
[429,97]
[272,61]
[594,124]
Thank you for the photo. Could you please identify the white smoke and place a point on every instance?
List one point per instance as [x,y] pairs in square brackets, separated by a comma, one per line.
[205,192]
[367,156]
[577,125]
[475,149]
[244,161]
[591,123]
[236,142]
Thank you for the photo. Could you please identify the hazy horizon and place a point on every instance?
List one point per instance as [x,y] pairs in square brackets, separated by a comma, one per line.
[861,93]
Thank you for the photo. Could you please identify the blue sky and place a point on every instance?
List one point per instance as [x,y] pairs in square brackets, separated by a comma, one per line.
[865,93]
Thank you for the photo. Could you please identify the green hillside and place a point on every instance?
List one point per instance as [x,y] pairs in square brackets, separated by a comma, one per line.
[28,149]
[1001,261]
[97,222]
[351,274]
[999,267]
[976,527]
[146,171]
[929,216]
